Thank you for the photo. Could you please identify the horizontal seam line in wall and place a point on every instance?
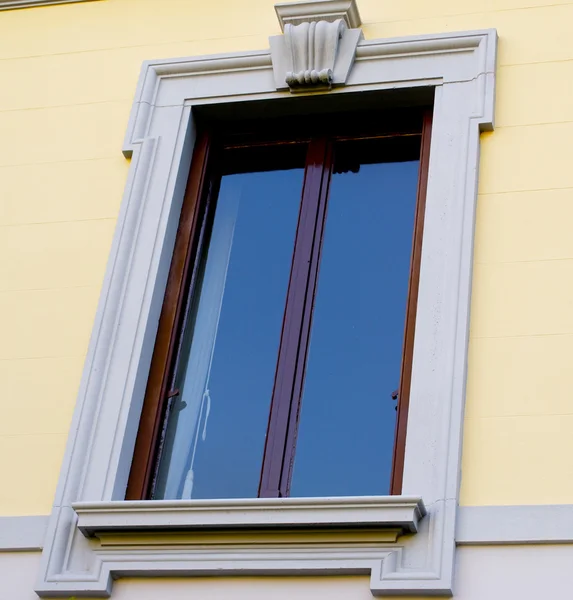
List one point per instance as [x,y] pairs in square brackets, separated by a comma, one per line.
[535,62]
[471,14]
[52,106]
[519,335]
[517,262]
[520,416]
[59,357]
[34,223]
[498,127]
[568,122]
[67,160]
[70,160]
[50,433]
[525,191]
[94,286]
[54,289]
[153,45]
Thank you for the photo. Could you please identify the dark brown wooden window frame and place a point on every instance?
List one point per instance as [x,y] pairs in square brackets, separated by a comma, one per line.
[197,209]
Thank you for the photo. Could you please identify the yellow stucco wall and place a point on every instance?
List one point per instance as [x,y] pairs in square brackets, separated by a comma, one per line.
[68,76]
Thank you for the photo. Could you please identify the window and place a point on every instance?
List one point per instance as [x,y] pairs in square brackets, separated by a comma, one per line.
[284,350]
[458,69]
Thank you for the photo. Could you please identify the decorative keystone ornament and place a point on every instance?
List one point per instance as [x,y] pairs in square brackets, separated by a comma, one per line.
[313,47]
[317,49]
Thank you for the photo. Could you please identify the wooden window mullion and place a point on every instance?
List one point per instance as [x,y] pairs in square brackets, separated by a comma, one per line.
[289,377]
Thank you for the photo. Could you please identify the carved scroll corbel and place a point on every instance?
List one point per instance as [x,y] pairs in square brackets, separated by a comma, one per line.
[313,48]
[318,47]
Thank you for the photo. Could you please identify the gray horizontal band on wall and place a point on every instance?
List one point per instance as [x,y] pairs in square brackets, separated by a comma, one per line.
[18,534]
[477,525]
[502,525]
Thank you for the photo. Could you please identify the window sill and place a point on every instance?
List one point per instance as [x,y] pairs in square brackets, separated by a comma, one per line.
[279,536]
[399,513]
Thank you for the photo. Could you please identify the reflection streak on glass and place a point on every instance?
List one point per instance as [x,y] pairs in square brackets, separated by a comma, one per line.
[216,430]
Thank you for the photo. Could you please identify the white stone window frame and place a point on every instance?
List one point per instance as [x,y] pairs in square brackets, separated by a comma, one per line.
[93,535]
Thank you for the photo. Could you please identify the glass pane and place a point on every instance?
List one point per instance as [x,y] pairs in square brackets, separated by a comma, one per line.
[346,429]
[217,425]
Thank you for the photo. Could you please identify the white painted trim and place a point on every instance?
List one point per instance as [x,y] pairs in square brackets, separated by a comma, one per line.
[476,525]
[22,533]
[13,4]
[461,68]
[393,512]
[502,525]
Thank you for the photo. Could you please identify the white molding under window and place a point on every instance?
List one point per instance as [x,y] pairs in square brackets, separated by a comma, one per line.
[25,533]
[385,512]
[12,4]
[515,525]
[161,133]
[476,526]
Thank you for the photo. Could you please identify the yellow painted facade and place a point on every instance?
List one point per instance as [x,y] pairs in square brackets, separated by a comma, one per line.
[68,76]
